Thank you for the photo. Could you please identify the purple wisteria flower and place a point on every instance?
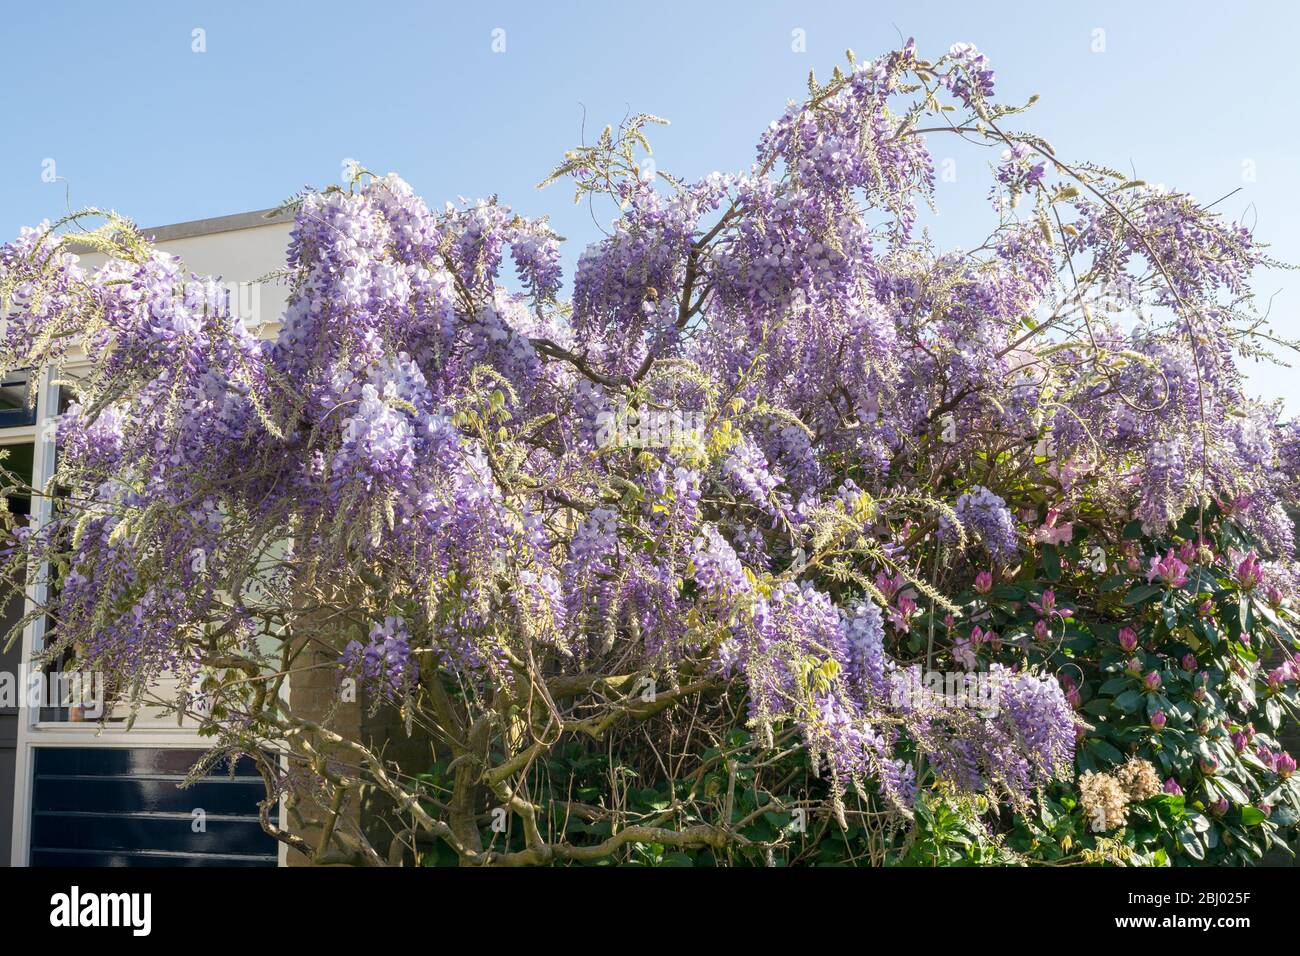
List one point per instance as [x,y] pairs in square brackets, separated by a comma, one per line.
[986,516]
[384,659]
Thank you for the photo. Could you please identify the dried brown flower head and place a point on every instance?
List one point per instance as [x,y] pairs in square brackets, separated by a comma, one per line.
[1139,779]
[1104,800]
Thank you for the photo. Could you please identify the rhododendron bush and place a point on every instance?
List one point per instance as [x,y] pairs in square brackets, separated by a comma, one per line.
[664,567]
[1180,658]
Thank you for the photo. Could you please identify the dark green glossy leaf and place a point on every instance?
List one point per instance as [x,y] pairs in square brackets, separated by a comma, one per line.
[1143,592]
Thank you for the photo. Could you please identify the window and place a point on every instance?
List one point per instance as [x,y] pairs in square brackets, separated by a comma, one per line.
[16,406]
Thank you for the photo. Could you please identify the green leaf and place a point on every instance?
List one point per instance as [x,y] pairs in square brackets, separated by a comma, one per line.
[1106,751]
[1141,593]
[1129,701]
[1115,685]
[1273,713]
[1191,843]
[1051,562]
[1232,790]
[1252,816]
[1169,807]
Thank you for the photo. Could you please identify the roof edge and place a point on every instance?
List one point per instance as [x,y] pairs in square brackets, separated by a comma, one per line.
[207,227]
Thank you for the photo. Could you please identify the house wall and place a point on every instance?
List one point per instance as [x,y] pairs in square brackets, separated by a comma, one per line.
[238,249]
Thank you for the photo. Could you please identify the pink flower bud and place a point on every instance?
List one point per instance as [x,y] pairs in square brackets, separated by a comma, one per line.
[1128,639]
[1249,574]
[1071,690]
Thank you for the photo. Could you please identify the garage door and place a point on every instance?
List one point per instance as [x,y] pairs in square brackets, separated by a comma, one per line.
[118,806]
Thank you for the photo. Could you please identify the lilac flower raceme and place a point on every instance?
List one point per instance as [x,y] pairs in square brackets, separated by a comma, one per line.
[987,518]
[384,658]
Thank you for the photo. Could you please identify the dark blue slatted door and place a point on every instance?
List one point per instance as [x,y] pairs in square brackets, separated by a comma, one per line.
[117,806]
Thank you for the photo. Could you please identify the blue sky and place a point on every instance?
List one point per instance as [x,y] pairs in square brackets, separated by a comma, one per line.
[1195,95]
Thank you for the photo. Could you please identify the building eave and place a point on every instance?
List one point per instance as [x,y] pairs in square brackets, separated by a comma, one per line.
[208,227]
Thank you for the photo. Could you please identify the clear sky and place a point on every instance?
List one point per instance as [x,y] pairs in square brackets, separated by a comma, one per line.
[1197,95]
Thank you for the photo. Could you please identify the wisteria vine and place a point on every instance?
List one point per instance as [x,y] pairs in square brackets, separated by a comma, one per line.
[416,469]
